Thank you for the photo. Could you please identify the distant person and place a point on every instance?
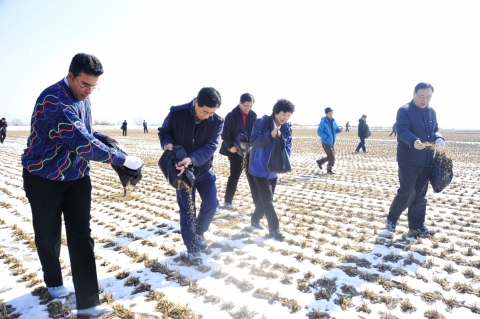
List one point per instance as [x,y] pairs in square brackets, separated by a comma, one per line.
[124,128]
[239,121]
[347,126]
[57,182]
[3,129]
[145,128]
[327,131]
[394,129]
[363,133]
[197,128]
[416,126]
[264,132]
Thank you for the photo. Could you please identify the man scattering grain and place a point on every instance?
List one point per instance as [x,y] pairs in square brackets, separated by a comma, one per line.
[197,128]
[416,127]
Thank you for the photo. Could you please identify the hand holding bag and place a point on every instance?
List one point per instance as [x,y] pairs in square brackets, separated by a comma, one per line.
[279,162]
[441,173]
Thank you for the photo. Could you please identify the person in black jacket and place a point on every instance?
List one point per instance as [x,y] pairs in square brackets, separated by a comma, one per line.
[124,128]
[3,129]
[239,121]
[363,133]
[416,126]
[197,128]
[145,127]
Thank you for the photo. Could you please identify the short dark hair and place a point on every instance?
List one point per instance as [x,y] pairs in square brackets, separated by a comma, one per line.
[364,116]
[247,97]
[209,97]
[283,105]
[423,85]
[86,63]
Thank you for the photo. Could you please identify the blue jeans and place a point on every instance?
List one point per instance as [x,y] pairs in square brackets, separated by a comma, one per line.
[192,225]
[411,194]
[361,145]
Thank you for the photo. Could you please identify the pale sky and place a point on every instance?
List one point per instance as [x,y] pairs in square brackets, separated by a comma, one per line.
[357,57]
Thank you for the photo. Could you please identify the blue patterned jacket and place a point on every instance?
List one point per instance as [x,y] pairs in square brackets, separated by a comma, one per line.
[61,141]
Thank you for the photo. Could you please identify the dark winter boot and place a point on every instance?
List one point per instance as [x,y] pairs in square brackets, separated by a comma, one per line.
[329,170]
[320,163]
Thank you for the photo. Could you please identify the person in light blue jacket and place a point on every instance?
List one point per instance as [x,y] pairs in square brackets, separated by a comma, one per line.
[327,131]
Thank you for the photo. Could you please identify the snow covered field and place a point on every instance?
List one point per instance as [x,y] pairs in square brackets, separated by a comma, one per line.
[337,260]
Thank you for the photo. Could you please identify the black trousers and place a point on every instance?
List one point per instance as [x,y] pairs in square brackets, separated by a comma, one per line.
[145,130]
[393,133]
[411,194]
[3,135]
[124,132]
[48,200]
[236,168]
[330,151]
[264,205]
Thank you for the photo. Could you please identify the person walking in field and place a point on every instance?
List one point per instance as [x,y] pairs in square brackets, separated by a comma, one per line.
[145,127]
[3,129]
[265,131]
[394,129]
[239,121]
[347,126]
[327,131]
[416,126]
[124,128]
[197,128]
[56,165]
[363,133]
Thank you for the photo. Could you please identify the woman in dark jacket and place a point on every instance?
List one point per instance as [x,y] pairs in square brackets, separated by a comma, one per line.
[124,128]
[363,133]
[264,133]
[239,121]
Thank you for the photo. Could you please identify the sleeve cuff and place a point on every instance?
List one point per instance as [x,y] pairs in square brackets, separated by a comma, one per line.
[118,159]
[194,160]
[101,137]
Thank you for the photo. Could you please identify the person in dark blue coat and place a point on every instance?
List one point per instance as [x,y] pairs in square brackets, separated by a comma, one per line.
[416,126]
[394,129]
[327,131]
[239,121]
[197,128]
[363,133]
[265,131]
[3,129]
[124,128]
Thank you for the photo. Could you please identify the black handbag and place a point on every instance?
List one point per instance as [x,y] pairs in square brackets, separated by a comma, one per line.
[167,163]
[441,172]
[241,144]
[126,175]
[279,162]
[367,131]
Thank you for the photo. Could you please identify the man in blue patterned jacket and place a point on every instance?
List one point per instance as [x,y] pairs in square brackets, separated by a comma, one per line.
[56,179]
[197,128]
[416,126]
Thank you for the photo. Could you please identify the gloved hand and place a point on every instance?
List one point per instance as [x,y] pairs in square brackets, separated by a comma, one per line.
[439,144]
[133,162]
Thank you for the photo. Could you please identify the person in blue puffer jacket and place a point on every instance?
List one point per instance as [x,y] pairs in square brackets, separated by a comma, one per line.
[327,131]
[264,133]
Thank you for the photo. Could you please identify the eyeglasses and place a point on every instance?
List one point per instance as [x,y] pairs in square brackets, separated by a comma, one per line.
[84,87]
[424,98]
[203,112]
